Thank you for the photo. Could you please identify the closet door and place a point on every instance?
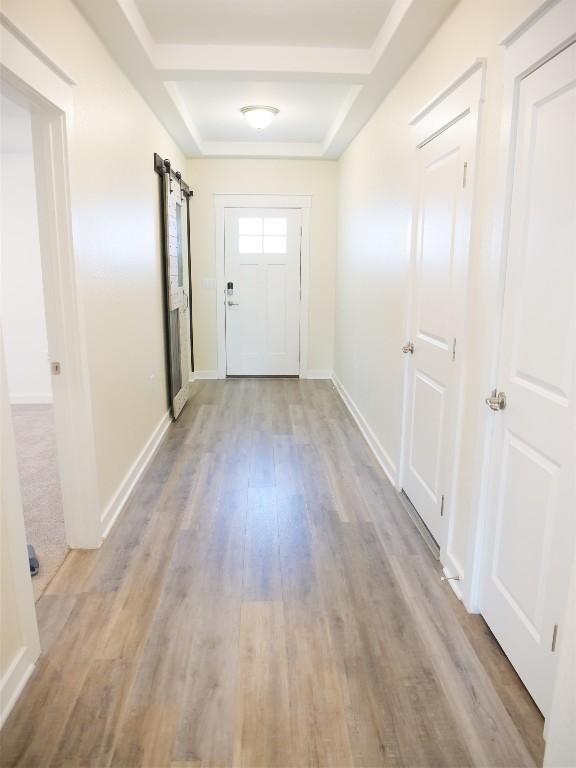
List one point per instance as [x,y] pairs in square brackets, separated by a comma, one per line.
[439,295]
[533,458]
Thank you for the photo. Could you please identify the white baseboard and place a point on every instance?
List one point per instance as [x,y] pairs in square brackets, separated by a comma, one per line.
[197,375]
[31,399]
[381,455]
[317,375]
[203,375]
[13,682]
[134,474]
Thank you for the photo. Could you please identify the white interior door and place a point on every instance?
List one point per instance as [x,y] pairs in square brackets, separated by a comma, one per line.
[438,301]
[533,500]
[177,292]
[262,274]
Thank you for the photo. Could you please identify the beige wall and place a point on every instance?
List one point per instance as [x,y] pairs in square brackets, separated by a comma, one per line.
[116,236]
[315,177]
[376,176]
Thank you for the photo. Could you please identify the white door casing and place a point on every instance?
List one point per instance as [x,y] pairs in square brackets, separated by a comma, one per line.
[532,499]
[439,284]
[48,92]
[262,301]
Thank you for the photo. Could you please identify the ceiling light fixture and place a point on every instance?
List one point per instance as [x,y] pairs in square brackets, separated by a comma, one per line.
[259,117]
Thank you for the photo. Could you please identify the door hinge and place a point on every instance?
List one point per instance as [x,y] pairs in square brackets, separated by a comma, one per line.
[454,350]
[465,175]
[554,637]
[442,506]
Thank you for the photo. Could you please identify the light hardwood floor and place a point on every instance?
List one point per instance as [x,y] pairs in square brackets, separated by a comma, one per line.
[264,600]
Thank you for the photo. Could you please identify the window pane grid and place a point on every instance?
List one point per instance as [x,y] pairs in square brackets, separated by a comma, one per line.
[262,235]
[275,226]
[249,225]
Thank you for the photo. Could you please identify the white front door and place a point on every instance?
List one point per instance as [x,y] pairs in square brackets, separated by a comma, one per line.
[262,276]
[533,501]
[439,296]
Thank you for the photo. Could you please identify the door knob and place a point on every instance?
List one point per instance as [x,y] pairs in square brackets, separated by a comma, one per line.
[408,348]
[496,401]
[233,303]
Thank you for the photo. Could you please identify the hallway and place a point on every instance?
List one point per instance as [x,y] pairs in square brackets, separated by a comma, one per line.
[264,600]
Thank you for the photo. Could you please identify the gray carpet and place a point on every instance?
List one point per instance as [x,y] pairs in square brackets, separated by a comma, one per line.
[40,486]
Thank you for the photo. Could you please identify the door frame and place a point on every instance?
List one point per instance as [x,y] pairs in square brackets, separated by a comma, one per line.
[464,96]
[30,74]
[303,202]
[540,37]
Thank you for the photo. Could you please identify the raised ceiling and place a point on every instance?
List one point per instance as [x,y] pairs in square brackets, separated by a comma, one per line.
[326,64]
[323,23]
[306,109]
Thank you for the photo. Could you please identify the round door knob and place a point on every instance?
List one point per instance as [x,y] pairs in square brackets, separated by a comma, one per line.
[496,401]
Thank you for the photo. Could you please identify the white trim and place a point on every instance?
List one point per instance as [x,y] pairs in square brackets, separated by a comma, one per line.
[31,399]
[200,375]
[304,287]
[446,92]
[197,375]
[375,445]
[533,42]
[22,61]
[295,150]
[13,682]
[272,200]
[28,72]
[463,97]
[525,25]
[288,200]
[34,49]
[122,495]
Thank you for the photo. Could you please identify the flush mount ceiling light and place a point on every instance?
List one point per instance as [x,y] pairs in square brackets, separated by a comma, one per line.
[259,117]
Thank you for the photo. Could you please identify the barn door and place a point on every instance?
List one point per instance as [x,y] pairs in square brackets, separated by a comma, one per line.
[176,258]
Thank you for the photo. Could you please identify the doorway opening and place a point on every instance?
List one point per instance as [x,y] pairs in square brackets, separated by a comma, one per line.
[26,348]
[38,86]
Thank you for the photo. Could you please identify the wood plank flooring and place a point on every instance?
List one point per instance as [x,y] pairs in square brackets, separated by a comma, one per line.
[265,601]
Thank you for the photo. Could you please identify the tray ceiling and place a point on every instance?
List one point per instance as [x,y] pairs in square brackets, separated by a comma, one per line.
[325,64]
